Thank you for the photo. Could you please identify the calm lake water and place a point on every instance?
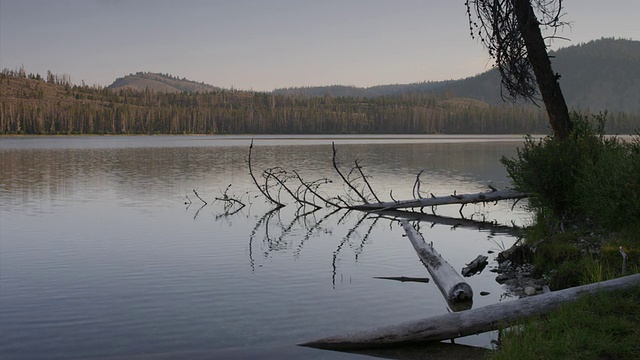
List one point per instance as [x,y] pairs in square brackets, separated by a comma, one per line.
[100,256]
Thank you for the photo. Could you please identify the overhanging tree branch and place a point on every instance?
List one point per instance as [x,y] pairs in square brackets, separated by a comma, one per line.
[510,30]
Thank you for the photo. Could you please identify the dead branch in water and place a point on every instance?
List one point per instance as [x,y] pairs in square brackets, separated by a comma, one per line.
[475,267]
[346,181]
[265,190]
[364,178]
[416,186]
[198,196]
[359,190]
[313,186]
[231,205]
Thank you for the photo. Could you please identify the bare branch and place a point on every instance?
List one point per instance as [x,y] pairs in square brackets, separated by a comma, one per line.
[313,191]
[364,178]
[255,181]
[495,23]
[198,196]
[229,203]
[416,186]
[282,181]
[346,181]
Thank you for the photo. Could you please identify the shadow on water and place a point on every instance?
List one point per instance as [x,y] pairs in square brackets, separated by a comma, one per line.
[436,351]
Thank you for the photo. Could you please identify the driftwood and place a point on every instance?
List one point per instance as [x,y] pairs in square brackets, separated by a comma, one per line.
[450,283]
[360,194]
[462,199]
[475,267]
[454,325]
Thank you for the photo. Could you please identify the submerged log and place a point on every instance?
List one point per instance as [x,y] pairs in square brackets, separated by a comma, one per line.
[475,267]
[454,325]
[450,283]
[443,200]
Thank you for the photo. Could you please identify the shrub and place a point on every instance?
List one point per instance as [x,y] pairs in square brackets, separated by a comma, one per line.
[588,178]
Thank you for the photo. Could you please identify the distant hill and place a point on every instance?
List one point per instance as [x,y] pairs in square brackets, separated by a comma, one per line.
[378,90]
[163,83]
[32,105]
[599,75]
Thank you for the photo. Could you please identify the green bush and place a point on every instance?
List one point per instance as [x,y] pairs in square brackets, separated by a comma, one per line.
[588,178]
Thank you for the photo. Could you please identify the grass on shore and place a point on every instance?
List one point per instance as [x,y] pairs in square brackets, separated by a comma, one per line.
[601,326]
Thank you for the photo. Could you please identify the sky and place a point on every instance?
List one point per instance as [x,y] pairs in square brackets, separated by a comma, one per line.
[266,44]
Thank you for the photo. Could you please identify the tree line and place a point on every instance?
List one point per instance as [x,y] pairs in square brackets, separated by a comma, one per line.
[32,104]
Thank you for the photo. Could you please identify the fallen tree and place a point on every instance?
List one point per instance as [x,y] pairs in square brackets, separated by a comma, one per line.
[462,199]
[451,285]
[360,194]
[454,325]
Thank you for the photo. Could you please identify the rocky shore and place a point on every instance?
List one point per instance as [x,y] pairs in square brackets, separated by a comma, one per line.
[518,274]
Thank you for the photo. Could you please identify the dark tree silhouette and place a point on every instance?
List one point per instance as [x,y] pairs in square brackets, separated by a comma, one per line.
[511,31]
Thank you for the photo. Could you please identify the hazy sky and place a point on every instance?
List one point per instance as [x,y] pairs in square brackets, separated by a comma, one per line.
[267,44]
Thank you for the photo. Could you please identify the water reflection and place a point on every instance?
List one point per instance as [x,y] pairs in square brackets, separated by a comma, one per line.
[276,231]
[99,247]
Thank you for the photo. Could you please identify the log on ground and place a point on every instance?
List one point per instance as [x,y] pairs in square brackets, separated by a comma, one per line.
[475,321]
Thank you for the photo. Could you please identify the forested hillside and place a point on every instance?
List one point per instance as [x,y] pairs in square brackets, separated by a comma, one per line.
[600,75]
[595,76]
[31,105]
[164,83]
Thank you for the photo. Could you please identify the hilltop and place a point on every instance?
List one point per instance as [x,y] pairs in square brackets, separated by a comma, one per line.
[163,83]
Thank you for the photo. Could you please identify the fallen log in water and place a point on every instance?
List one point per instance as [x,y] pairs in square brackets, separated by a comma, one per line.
[454,325]
[450,283]
[443,200]
[475,267]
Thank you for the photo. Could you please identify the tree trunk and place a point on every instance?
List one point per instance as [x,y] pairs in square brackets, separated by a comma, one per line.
[455,290]
[545,77]
[490,196]
[475,321]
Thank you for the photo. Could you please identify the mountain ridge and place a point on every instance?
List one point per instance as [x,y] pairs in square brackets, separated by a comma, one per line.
[598,75]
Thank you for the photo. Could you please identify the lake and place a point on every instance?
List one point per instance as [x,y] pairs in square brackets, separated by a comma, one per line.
[106,252]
